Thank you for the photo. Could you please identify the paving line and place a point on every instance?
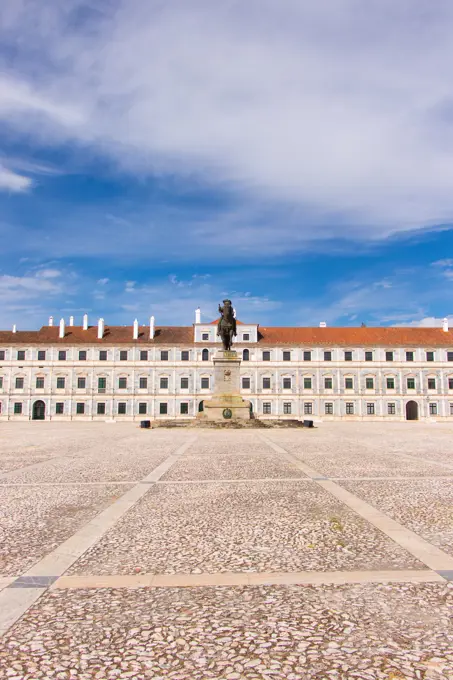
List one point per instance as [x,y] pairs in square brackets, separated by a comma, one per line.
[245,579]
[432,557]
[234,481]
[399,478]
[46,484]
[16,599]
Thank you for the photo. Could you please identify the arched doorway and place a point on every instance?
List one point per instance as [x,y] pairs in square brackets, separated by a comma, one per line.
[411,410]
[39,410]
[201,407]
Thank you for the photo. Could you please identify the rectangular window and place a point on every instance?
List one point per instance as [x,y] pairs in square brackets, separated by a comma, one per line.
[327,356]
[369,383]
[123,355]
[390,383]
[82,355]
[61,383]
[286,356]
[429,356]
[122,408]
[184,383]
[328,383]
[122,383]
[451,409]
[1,382]
[163,408]
[266,383]
[205,383]
[246,337]
[164,355]
[308,408]
[184,408]
[266,356]
[328,409]
[19,383]
[389,356]
[59,408]
[81,383]
[39,383]
[391,409]
[349,408]
[411,383]
[370,409]
[287,407]
[307,355]
[449,356]
[245,383]
[431,383]
[433,409]
[286,383]
[368,356]
[143,383]
[143,355]
[21,356]
[80,408]
[102,383]
[2,355]
[348,356]
[164,383]
[349,383]
[101,409]
[185,355]
[267,408]
[41,355]
[409,356]
[450,383]
[205,336]
[142,408]
[62,355]
[17,408]
[103,355]
[307,383]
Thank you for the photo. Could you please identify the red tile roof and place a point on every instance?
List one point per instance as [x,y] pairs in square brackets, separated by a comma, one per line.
[164,335]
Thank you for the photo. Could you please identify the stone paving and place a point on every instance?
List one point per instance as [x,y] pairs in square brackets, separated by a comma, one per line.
[324,554]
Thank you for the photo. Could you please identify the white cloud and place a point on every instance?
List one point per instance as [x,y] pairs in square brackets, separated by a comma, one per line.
[12,181]
[103,282]
[430,322]
[48,273]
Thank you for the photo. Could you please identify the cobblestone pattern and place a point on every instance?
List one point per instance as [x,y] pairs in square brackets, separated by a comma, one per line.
[239,466]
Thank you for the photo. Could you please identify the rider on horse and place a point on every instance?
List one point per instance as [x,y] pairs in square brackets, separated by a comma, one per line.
[226,327]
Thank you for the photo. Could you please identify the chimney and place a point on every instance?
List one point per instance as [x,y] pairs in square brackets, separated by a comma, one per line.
[14,328]
[322,324]
[136,329]
[62,329]
[100,329]
[50,320]
[198,315]
[152,329]
[85,322]
[445,325]
[71,320]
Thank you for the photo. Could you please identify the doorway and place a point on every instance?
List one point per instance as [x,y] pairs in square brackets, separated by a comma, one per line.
[201,407]
[39,410]
[411,410]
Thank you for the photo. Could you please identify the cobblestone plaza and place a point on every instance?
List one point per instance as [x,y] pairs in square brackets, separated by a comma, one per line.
[226,554]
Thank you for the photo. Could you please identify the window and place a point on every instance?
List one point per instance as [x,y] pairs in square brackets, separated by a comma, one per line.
[144,355]
[450,383]
[286,356]
[433,409]
[102,383]
[82,355]
[17,408]
[449,356]
[246,337]
[411,383]
[328,383]
[19,383]
[348,356]
[142,408]
[185,355]
[59,408]
[409,356]
[266,383]
[205,355]
[80,408]
[429,356]
[245,383]
[39,383]
[307,355]
[122,408]
[390,383]
[123,355]
[451,409]
[164,355]
[368,356]
[327,356]
[391,409]
[369,383]
[62,355]
[267,408]
[1,382]
[431,383]
[328,409]
[370,409]
[308,408]
[349,384]
[389,356]
[61,383]
[101,409]
[143,383]
[164,383]
[21,356]
[41,355]
[286,383]
[266,356]
[163,408]
[2,355]
[205,383]
[103,355]
[205,336]
[122,383]
[81,383]
[184,383]
[184,408]
[307,383]
[349,408]
[287,407]
[246,355]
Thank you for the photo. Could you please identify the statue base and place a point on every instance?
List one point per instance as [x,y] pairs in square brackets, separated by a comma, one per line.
[226,403]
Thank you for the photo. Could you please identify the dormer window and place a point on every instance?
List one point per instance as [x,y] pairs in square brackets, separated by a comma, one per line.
[246,337]
[205,337]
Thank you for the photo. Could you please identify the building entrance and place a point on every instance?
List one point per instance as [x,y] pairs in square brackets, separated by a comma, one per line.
[39,410]
[411,410]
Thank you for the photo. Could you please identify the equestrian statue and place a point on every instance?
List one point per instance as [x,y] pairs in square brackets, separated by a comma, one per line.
[226,328]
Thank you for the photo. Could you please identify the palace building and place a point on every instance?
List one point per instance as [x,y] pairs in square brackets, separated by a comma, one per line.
[100,372]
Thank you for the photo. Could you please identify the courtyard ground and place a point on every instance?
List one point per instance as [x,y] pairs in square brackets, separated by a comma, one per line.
[257,554]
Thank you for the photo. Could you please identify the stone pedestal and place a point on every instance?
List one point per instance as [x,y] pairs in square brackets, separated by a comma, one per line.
[226,403]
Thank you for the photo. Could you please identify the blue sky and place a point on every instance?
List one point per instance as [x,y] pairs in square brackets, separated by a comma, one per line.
[295,156]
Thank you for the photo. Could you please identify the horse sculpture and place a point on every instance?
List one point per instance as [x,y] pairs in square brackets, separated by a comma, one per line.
[226,328]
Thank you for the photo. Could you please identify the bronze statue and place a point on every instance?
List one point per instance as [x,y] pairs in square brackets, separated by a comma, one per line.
[226,327]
